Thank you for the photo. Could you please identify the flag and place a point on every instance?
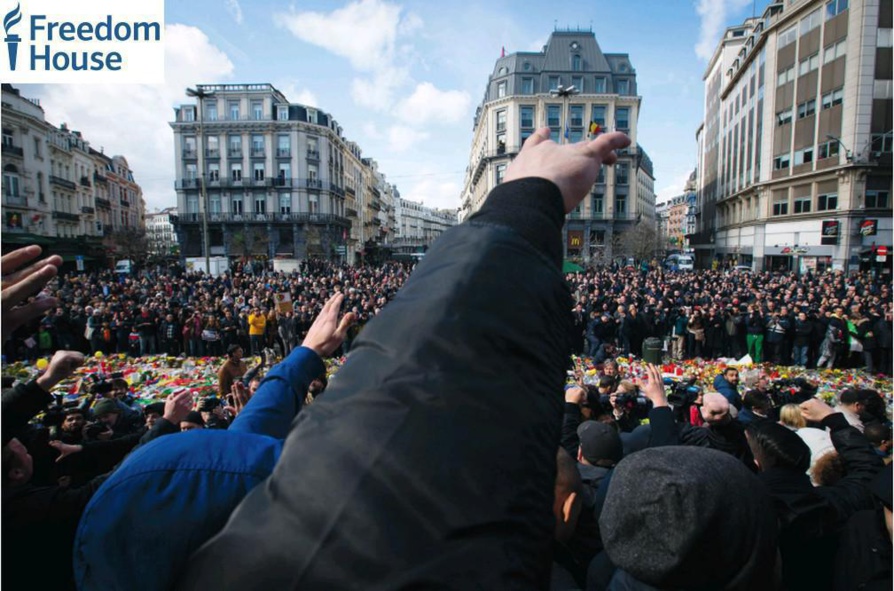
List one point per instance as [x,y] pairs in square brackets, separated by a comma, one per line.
[566,131]
[284,302]
[594,128]
[503,53]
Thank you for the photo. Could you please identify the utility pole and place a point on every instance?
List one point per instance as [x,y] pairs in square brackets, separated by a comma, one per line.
[200,95]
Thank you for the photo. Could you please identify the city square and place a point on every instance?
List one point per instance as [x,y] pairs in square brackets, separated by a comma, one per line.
[624,322]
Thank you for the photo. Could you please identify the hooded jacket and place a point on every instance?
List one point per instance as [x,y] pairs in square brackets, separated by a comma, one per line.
[730,392]
[431,461]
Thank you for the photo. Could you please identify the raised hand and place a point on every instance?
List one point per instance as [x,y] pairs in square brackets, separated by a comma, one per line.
[177,406]
[20,284]
[653,387]
[326,334]
[238,398]
[61,366]
[65,449]
[572,167]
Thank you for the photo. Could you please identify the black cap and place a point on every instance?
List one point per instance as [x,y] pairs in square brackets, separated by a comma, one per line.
[156,407]
[600,442]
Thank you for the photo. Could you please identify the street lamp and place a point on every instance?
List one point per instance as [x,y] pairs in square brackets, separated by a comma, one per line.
[847,153]
[200,94]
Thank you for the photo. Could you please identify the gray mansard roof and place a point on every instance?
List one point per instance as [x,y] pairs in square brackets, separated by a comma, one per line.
[557,59]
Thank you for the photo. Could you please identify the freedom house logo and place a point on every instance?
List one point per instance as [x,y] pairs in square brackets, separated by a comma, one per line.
[100,41]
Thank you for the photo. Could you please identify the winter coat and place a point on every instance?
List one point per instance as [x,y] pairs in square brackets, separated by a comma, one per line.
[472,511]
[730,392]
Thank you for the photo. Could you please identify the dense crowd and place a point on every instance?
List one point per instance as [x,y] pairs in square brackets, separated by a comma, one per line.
[449,450]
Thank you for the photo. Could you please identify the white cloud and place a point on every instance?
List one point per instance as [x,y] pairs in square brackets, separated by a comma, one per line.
[427,104]
[433,192]
[364,32]
[378,92]
[674,188]
[235,10]
[713,15]
[402,138]
[132,120]
[296,94]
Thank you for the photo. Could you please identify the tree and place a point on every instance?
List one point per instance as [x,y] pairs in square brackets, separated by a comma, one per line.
[640,241]
[131,244]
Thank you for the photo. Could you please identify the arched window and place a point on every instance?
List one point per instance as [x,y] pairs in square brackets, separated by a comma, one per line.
[11,189]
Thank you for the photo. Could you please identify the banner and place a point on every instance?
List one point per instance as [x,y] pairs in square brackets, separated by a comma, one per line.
[869,227]
[283,302]
[830,232]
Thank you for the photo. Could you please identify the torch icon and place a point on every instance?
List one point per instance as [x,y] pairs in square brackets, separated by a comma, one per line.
[11,19]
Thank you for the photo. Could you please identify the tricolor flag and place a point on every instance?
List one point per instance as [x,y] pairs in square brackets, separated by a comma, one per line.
[595,129]
[503,52]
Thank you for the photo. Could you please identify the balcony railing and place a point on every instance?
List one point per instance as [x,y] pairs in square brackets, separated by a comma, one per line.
[282,181]
[212,153]
[350,212]
[11,150]
[283,152]
[258,152]
[85,181]
[87,209]
[65,183]
[187,184]
[68,217]
[313,183]
[125,203]
[252,218]
[234,153]
[190,154]
[313,154]
[103,203]
[98,178]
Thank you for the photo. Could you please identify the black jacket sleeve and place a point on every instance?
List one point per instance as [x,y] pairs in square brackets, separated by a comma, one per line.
[440,431]
[861,463]
[20,405]
[664,429]
[570,423]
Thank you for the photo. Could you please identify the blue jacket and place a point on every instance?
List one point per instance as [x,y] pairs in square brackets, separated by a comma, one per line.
[730,392]
[172,495]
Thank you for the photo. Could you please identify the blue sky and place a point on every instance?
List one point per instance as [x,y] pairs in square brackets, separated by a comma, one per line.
[403,78]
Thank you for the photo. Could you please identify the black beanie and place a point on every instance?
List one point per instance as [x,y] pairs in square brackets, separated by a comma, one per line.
[691,518]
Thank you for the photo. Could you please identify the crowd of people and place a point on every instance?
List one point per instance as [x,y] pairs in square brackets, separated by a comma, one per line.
[444,452]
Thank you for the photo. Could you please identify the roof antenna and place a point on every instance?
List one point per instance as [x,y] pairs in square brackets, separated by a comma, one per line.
[555,25]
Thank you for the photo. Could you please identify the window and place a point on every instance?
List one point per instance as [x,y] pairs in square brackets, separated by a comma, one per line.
[780,206]
[598,204]
[285,203]
[260,204]
[526,117]
[577,115]
[831,52]
[258,171]
[809,64]
[811,21]
[189,146]
[621,205]
[214,204]
[597,237]
[37,147]
[827,150]
[501,120]
[622,119]
[189,114]
[806,109]
[802,204]
[257,110]
[554,82]
[833,98]
[501,89]
[234,110]
[599,115]
[282,113]
[214,172]
[212,148]
[781,162]
[235,143]
[881,142]
[835,7]
[785,76]
[575,135]
[600,178]
[576,63]
[11,188]
[192,173]
[884,37]
[621,174]
[257,145]
[783,117]
[237,204]
[787,37]
[285,172]
[501,143]
[827,202]
[527,86]
[192,204]
[283,146]
[210,112]
[578,83]
[500,173]
[624,87]
[236,173]
[804,156]
[553,113]
[599,87]
[7,137]
[877,199]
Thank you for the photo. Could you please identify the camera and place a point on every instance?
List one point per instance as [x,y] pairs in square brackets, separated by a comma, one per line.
[635,404]
[791,391]
[93,430]
[682,393]
[101,383]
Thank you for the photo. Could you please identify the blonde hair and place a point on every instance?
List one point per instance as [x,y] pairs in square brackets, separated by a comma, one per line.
[790,416]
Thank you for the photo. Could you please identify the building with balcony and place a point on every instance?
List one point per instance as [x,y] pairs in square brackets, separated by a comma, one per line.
[795,150]
[160,235]
[51,193]
[521,96]
[275,173]
[417,226]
